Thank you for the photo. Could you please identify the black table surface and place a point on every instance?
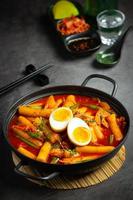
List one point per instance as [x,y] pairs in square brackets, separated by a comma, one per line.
[26,36]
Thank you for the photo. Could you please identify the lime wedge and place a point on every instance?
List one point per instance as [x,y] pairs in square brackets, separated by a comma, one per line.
[63,9]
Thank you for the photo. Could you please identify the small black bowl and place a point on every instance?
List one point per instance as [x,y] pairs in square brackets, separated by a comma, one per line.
[83,43]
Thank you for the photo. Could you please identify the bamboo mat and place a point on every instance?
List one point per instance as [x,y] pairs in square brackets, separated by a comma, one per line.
[104,172]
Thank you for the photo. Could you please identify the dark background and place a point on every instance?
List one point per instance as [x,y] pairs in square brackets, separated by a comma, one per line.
[26,36]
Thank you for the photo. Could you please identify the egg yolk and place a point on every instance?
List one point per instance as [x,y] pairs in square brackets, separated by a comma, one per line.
[81,134]
[62,115]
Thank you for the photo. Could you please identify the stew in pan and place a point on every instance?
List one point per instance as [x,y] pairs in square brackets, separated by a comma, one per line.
[66,129]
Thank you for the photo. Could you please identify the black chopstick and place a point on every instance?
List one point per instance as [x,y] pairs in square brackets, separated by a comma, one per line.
[23,79]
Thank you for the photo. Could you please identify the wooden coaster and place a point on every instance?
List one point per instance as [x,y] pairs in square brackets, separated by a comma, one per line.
[104,172]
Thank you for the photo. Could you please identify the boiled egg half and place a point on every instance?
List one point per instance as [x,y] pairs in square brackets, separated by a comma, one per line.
[60,118]
[79,132]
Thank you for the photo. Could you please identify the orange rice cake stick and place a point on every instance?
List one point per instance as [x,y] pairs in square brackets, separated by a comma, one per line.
[26,138]
[31,119]
[94,137]
[114,127]
[70,101]
[95,149]
[44,152]
[36,104]
[50,103]
[27,153]
[97,131]
[73,160]
[27,111]
[26,122]
[105,105]
[58,103]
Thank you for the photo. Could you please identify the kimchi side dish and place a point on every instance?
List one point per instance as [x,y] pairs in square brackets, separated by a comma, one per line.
[72,25]
[66,129]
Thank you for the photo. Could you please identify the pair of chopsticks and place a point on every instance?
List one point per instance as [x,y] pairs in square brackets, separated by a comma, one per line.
[23,79]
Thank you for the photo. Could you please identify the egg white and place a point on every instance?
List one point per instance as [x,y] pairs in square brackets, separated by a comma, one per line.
[59,126]
[72,125]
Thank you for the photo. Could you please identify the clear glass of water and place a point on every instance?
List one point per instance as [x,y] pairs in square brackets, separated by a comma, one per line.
[110,24]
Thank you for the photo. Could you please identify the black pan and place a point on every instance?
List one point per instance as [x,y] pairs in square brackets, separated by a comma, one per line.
[80,168]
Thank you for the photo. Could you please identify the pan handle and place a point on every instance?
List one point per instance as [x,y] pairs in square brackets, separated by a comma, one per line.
[115,86]
[36,178]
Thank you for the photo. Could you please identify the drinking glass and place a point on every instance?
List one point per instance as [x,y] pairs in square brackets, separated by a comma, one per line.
[110,24]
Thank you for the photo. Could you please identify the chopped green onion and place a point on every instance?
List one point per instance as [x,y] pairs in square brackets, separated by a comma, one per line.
[42,124]
[27,141]
[34,135]
[35,107]
[90,121]
[54,160]
[74,106]
[72,151]
[48,136]
[95,107]
[56,145]
[92,106]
